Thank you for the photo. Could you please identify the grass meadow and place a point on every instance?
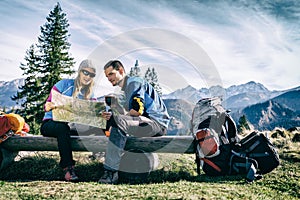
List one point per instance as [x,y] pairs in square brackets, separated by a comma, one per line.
[36,175]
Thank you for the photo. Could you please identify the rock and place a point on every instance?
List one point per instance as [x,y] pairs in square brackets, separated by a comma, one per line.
[296,138]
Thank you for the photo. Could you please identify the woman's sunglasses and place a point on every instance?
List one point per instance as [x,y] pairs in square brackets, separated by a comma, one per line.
[87,73]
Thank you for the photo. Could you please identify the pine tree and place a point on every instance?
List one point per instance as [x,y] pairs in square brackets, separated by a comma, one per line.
[148,75]
[135,71]
[243,124]
[46,63]
[54,48]
[29,95]
[152,78]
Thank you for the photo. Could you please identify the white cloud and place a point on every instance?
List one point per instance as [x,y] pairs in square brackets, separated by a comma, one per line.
[243,39]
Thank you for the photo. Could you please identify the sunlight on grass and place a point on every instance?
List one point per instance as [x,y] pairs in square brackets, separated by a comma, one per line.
[38,176]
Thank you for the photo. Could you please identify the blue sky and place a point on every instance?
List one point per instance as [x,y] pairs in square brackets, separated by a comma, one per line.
[244,40]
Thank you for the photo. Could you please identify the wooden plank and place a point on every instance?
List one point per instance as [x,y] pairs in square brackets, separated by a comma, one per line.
[164,144]
[40,143]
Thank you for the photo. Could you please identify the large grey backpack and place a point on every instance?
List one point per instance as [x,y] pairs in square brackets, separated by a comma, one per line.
[205,109]
[218,149]
[214,131]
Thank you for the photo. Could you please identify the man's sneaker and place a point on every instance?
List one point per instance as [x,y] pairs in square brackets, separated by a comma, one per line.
[70,174]
[109,177]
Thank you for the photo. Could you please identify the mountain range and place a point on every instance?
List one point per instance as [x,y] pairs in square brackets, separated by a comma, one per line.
[235,97]
[7,90]
[263,108]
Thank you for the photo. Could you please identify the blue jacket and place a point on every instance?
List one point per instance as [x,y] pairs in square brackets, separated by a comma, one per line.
[65,87]
[154,107]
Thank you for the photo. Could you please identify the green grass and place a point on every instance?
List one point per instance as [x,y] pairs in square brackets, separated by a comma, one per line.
[38,176]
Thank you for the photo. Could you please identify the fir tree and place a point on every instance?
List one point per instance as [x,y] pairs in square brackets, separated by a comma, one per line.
[152,78]
[148,75]
[28,96]
[54,48]
[45,64]
[135,71]
[243,124]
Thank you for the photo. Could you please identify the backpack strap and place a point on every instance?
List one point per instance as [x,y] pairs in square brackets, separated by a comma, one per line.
[231,130]
[197,161]
[253,146]
[213,165]
[6,136]
[205,138]
[247,164]
[207,161]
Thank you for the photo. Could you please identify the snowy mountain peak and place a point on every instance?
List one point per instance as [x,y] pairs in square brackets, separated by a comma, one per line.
[193,95]
[250,87]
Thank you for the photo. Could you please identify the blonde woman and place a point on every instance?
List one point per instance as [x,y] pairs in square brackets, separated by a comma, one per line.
[80,87]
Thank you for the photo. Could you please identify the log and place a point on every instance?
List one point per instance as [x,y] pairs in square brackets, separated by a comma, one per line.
[139,158]
[41,143]
[164,144]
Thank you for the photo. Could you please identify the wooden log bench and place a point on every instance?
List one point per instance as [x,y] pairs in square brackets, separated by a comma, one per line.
[135,148]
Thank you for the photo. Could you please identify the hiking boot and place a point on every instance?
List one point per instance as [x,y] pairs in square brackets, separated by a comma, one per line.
[109,177]
[70,174]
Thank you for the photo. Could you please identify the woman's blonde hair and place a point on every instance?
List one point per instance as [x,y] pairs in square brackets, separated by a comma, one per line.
[78,87]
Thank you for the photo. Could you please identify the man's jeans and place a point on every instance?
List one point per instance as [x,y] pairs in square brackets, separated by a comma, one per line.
[127,125]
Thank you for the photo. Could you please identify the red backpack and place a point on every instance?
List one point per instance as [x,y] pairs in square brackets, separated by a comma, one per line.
[5,125]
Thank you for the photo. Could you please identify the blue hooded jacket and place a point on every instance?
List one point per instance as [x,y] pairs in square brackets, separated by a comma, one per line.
[154,107]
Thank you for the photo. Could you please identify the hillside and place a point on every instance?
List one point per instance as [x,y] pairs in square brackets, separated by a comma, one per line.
[180,112]
[7,90]
[281,111]
[290,99]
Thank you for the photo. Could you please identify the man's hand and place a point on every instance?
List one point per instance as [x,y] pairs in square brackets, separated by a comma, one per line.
[106,115]
[134,113]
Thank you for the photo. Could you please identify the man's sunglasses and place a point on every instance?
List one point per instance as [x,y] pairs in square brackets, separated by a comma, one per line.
[87,73]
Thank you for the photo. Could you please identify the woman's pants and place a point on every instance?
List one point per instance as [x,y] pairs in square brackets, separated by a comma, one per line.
[62,132]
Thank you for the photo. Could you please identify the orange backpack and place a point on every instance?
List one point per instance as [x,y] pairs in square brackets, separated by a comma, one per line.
[16,121]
